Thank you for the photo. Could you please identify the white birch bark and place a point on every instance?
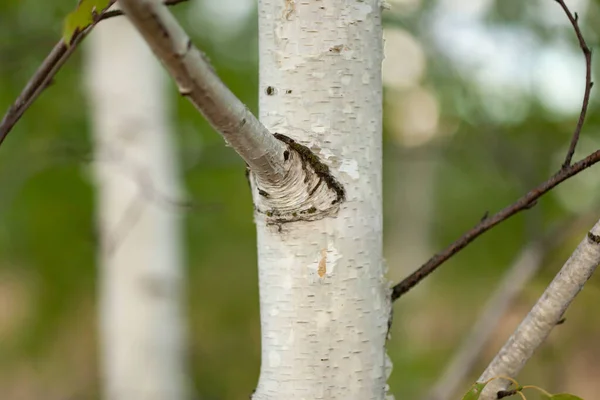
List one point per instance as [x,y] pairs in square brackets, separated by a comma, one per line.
[324,299]
[141,323]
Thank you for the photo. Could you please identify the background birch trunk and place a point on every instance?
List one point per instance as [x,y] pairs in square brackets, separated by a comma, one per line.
[324,299]
[141,321]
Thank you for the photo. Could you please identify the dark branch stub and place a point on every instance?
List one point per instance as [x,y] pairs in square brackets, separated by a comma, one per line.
[506,393]
[593,238]
[527,201]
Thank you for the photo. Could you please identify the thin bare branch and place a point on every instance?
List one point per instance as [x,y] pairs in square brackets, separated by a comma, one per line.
[525,202]
[40,80]
[587,53]
[198,82]
[45,73]
[545,315]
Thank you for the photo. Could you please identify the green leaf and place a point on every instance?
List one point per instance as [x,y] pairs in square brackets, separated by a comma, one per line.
[564,396]
[475,391]
[82,17]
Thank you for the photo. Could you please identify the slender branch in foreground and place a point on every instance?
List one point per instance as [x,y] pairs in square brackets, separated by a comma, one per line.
[198,82]
[528,200]
[587,53]
[524,268]
[45,73]
[40,80]
[545,315]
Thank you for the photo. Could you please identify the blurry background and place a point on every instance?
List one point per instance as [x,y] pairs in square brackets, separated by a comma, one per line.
[481,99]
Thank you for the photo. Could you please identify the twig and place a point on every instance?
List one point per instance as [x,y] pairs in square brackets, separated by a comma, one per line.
[45,73]
[546,314]
[525,266]
[527,201]
[38,82]
[587,53]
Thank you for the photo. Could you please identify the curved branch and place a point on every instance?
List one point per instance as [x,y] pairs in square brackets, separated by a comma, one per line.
[198,82]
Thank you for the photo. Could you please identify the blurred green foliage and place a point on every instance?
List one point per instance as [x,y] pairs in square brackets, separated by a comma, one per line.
[48,240]
[82,17]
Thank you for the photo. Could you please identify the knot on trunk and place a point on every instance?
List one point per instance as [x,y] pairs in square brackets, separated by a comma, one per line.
[307,192]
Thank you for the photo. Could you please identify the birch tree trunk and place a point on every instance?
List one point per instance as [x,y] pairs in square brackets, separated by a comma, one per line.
[324,299]
[141,322]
